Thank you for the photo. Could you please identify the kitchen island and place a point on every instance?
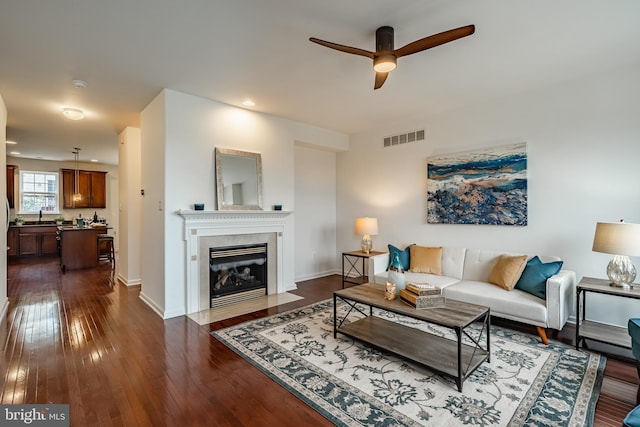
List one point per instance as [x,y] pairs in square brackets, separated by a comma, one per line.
[79,246]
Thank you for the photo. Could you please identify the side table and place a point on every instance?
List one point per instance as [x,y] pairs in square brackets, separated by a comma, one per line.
[597,331]
[352,272]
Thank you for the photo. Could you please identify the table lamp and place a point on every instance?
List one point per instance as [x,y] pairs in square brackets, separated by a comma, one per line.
[622,240]
[366,227]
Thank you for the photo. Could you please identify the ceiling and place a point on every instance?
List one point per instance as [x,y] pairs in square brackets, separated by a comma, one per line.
[128,51]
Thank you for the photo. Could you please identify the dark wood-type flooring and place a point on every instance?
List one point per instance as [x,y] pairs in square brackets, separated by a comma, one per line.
[83,339]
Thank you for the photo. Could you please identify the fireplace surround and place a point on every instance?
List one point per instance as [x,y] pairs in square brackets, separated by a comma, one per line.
[207,229]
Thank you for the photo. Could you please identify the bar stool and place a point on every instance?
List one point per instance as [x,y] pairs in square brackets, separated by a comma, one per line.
[109,254]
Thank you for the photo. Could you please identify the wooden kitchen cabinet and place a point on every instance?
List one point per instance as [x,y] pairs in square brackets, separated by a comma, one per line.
[92,185]
[12,242]
[34,240]
[79,247]
[11,189]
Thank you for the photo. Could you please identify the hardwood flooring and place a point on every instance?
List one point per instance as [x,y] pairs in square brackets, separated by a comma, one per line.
[83,339]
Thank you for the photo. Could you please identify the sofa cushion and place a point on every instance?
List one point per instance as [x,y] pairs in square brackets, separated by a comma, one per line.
[426,259]
[403,254]
[453,262]
[514,305]
[507,270]
[478,263]
[535,275]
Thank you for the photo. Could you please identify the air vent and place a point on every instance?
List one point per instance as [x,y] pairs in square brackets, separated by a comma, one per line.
[403,138]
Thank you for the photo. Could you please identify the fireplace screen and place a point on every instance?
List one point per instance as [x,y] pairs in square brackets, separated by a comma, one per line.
[236,269]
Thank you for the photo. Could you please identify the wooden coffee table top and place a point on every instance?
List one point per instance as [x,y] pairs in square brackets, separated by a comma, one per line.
[454,314]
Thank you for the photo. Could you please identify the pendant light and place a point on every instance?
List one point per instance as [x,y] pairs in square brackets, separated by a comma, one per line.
[76,195]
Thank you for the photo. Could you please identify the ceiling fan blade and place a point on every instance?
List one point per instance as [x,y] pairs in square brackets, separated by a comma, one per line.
[343,48]
[380,79]
[435,40]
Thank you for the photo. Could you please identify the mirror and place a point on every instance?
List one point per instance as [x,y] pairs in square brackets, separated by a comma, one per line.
[238,180]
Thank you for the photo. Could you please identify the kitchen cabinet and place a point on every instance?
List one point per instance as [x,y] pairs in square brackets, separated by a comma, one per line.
[34,240]
[11,189]
[91,185]
[12,242]
[79,248]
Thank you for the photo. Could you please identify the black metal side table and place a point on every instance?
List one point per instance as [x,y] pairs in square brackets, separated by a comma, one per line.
[354,267]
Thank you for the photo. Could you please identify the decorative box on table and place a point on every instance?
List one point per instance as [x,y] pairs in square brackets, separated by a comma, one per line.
[422,296]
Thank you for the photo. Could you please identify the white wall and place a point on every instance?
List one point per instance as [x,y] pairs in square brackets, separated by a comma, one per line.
[153,264]
[187,129]
[4,302]
[110,213]
[130,206]
[315,197]
[583,148]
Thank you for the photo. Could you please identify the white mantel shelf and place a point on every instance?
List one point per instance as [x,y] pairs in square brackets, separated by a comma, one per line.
[192,214]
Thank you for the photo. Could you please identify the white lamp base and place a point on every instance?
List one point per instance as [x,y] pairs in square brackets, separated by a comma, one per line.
[621,271]
[366,244]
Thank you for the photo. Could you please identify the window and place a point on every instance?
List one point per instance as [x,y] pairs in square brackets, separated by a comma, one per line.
[38,191]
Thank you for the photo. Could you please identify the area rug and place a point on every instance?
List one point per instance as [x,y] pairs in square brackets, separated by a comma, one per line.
[525,384]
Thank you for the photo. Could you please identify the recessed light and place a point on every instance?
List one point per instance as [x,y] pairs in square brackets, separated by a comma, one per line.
[73,113]
[248,103]
[94,160]
[10,142]
[14,152]
[79,84]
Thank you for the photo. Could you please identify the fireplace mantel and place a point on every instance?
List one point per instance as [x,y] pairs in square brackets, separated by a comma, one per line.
[200,216]
[202,224]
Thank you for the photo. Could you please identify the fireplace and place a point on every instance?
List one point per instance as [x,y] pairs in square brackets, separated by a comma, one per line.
[237,273]
[211,229]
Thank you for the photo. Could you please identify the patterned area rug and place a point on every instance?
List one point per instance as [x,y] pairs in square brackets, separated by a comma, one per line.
[525,384]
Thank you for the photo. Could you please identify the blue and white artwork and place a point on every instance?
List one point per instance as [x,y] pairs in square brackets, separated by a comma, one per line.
[486,186]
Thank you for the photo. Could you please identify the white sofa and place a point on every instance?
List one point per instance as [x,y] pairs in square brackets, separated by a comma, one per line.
[465,275]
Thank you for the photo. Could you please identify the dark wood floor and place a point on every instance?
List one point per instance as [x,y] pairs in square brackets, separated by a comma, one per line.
[81,338]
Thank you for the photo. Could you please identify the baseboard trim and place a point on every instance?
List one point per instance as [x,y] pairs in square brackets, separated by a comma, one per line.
[316,275]
[128,282]
[157,309]
[152,305]
[4,310]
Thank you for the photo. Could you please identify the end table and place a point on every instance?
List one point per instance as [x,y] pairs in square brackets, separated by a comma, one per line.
[352,272]
[597,331]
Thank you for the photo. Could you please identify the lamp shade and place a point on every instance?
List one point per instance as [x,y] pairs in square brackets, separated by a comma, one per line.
[366,225]
[617,238]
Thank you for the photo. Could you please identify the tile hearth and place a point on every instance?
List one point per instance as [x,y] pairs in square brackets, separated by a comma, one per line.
[205,317]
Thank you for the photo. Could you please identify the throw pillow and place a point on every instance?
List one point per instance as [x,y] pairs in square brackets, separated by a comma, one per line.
[535,275]
[403,254]
[507,271]
[426,260]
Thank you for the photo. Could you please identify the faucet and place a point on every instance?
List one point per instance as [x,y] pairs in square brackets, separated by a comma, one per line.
[40,217]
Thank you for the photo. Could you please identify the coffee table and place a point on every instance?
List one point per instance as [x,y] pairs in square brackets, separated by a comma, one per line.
[448,357]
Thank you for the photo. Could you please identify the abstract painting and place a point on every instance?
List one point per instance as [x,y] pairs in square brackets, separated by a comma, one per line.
[485,186]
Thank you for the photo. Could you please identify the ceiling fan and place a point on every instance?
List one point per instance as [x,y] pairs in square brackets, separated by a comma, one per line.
[385,56]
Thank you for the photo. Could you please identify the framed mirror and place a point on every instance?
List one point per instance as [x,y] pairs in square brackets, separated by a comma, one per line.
[238,180]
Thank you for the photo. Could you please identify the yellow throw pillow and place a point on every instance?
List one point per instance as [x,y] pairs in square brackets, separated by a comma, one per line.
[507,271]
[425,260]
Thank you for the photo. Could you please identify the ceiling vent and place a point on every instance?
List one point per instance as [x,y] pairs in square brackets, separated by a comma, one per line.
[403,138]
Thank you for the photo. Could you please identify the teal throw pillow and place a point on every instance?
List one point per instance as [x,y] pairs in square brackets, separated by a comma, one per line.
[402,254]
[534,277]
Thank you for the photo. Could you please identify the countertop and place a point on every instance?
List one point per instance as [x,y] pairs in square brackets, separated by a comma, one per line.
[36,224]
[75,228]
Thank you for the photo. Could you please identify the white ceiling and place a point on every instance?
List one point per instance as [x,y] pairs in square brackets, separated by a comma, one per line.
[236,49]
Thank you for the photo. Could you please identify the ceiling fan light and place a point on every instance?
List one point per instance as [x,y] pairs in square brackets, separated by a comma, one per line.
[384,64]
